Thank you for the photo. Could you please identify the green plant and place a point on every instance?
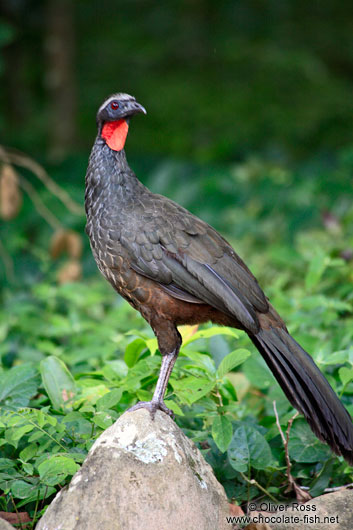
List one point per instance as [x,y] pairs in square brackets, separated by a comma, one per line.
[75,356]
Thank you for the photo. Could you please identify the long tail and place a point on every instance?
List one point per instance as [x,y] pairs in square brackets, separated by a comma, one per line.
[307,389]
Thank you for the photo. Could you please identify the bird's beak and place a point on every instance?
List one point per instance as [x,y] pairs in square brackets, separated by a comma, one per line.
[135,108]
[143,110]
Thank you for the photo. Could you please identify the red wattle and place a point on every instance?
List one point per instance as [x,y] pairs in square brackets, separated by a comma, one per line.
[115,133]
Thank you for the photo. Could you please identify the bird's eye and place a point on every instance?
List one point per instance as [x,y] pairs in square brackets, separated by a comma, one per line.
[114,105]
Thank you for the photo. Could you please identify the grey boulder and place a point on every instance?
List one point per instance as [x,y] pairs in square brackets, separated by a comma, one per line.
[332,511]
[141,474]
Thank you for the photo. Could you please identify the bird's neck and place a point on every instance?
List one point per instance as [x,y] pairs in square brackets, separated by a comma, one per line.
[109,177]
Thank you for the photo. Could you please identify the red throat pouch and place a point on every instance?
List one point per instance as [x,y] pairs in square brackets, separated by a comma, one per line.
[115,133]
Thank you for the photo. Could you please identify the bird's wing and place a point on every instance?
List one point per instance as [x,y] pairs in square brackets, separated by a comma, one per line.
[191,260]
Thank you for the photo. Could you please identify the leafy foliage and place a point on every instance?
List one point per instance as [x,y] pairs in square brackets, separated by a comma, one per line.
[75,356]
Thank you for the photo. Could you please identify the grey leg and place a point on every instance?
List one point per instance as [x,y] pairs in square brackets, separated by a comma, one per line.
[157,402]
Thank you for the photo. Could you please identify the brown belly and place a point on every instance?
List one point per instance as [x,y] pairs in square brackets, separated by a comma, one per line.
[151,300]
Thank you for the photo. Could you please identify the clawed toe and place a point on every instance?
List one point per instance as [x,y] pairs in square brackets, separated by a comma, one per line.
[152,407]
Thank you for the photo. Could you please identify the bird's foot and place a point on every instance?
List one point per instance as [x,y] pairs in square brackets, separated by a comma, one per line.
[152,407]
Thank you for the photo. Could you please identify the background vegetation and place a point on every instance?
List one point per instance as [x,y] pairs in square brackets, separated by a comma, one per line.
[249,125]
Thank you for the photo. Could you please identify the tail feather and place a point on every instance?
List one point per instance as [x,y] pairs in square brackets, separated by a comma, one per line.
[307,389]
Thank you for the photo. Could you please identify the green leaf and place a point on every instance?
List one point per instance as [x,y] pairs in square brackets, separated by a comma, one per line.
[115,370]
[40,418]
[211,332]
[174,407]
[13,435]
[133,351]
[316,269]
[304,446]
[222,432]
[232,360]
[58,382]
[76,424]
[21,489]
[103,420]
[321,482]
[18,385]
[258,373]
[144,395]
[42,492]
[205,362]
[6,463]
[248,448]
[109,399]
[338,357]
[28,468]
[152,345]
[191,389]
[346,375]
[56,469]
[36,435]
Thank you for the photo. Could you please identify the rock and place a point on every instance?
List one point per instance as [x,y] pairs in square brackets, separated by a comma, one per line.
[332,511]
[4,525]
[257,526]
[140,474]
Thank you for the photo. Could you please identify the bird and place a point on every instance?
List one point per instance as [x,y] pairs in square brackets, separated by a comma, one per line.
[176,269]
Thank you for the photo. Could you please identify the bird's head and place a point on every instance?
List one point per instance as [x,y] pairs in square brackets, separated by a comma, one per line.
[113,119]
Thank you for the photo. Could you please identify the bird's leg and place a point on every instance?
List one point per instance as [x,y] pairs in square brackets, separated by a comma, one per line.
[168,362]
[157,402]
[169,342]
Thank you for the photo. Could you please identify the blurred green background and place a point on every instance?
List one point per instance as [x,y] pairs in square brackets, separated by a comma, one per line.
[249,107]
[219,79]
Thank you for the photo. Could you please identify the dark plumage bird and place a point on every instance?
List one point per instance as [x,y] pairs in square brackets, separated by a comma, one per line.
[176,269]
